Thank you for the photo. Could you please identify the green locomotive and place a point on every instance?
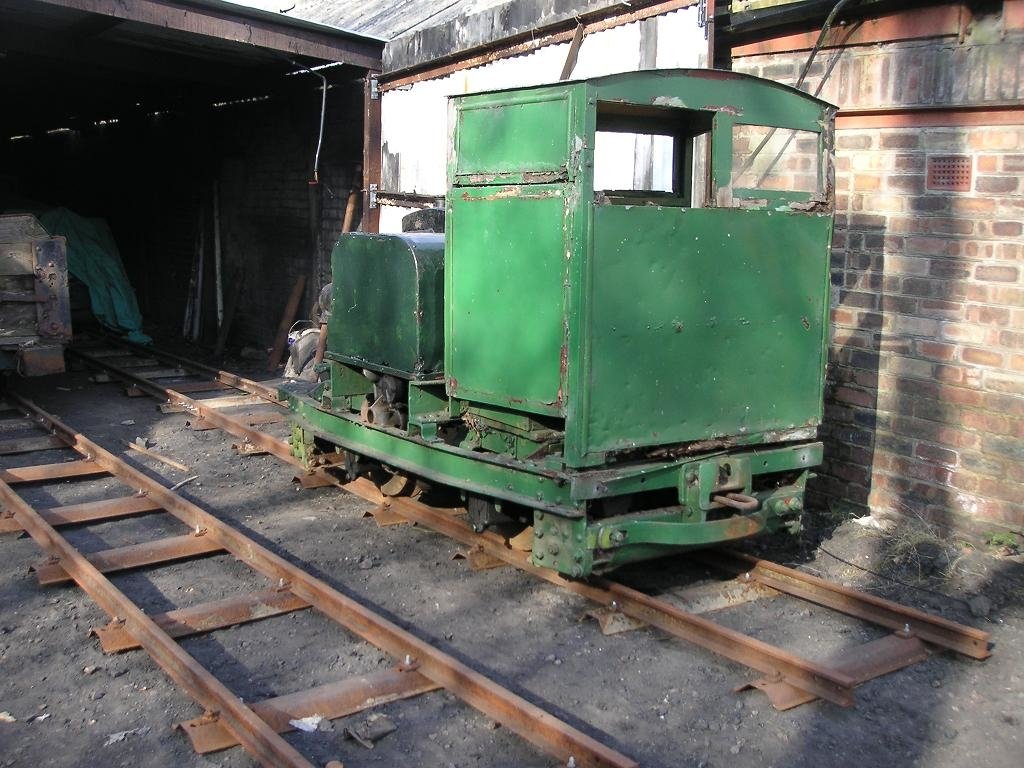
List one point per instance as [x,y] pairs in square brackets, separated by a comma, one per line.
[632,371]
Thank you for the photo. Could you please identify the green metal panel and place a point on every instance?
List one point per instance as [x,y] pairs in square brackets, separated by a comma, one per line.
[506,304]
[387,312]
[746,98]
[522,137]
[703,323]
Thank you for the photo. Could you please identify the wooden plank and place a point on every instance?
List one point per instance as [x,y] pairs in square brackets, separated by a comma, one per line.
[931,117]
[135,556]
[246,26]
[237,280]
[206,617]
[331,701]
[371,152]
[88,512]
[41,473]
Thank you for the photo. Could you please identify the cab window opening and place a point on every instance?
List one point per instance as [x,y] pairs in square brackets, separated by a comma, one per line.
[650,155]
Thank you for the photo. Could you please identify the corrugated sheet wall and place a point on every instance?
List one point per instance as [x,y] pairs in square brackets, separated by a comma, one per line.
[415,120]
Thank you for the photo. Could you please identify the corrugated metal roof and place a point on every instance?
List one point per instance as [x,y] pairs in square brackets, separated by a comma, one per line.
[386,20]
[420,31]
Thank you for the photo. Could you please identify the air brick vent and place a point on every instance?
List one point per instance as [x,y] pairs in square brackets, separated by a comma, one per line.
[950,173]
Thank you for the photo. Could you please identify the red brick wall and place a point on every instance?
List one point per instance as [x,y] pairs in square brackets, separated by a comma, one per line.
[276,225]
[925,399]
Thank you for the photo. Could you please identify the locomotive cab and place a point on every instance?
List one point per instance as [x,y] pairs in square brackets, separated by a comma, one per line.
[621,336]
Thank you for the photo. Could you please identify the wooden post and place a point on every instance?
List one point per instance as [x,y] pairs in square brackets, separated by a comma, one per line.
[371,153]
[290,310]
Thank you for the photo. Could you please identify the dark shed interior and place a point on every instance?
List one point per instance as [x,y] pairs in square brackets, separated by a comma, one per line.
[162,120]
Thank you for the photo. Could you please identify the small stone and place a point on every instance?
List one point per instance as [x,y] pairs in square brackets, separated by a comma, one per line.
[97,695]
[334,764]
[936,683]
[734,749]
[980,606]
[90,669]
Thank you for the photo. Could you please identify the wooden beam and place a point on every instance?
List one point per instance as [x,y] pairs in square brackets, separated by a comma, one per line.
[371,153]
[241,25]
[945,116]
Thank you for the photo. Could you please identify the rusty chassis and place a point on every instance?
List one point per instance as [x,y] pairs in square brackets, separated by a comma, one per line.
[789,680]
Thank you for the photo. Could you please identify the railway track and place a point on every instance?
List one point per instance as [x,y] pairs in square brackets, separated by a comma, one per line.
[787,679]
[227,721]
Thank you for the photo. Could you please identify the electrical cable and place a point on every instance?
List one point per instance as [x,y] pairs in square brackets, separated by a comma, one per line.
[323,114]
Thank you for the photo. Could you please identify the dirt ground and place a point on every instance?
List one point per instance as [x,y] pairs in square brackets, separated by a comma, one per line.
[661,701]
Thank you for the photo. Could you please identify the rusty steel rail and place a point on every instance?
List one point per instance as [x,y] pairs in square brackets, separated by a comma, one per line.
[261,440]
[833,683]
[542,729]
[830,684]
[232,380]
[252,732]
[934,630]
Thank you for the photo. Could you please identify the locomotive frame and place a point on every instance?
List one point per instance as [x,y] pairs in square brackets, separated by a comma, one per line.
[634,371]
